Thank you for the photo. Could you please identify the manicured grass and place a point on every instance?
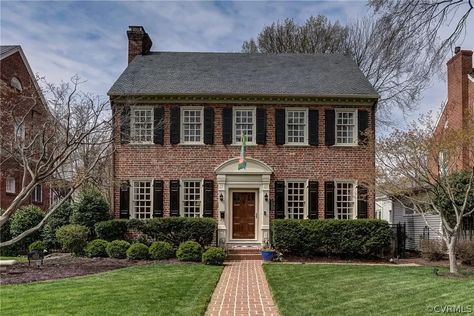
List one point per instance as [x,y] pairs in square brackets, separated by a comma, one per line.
[156,289]
[18,259]
[363,290]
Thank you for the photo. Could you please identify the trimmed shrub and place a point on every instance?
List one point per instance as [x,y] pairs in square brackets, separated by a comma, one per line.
[5,235]
[177,230]
[37,245]
[189,251]
[214,256]
[354,238]
[136,224]
[60,217]
[137,251]
[111,230]
[465,251]
[90,209]
[73,238]
[97,248]
[432,250]
[161,250]
[118,249]
[144,239]
[25,218]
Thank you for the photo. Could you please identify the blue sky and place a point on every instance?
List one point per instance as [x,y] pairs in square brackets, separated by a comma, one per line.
[88,38]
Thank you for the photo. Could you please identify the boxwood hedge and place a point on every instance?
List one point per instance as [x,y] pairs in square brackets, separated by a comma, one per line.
[354,238]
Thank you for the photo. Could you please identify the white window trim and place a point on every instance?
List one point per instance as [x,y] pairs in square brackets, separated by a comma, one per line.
[254,129]
[181,124]
[9,178]
[305,126]
[132,185]
[33,197]
[181,195]
[354,197]
[305,196]
[132,124]
[355,141]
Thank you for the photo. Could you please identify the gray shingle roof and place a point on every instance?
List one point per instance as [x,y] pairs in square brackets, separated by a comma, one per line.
[4,49]
[171,73]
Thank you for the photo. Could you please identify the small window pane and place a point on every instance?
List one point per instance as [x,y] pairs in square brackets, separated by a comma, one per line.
[244,124]
[344,200]
[37,194]
[141,199]
[295,200]
[142,125]
[345,127]
[192,198]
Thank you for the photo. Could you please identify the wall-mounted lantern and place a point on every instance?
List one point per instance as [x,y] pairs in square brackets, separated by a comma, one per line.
[266,197]
[221,197]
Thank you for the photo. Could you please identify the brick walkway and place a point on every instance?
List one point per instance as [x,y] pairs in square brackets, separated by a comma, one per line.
[242,290]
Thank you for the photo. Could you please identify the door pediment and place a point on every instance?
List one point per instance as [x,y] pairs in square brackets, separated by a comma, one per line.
[254,166]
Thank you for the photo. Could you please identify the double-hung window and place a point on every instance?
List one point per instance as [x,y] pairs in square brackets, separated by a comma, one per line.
[345,200]
[141,119]
[295,199]
[244,123]
[192,125]
[142,199]
[296,126]
[346,127]
[191,201]
[37,194]
[10,185]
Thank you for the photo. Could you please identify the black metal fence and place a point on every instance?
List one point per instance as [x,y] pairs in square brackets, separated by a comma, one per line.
[399,238]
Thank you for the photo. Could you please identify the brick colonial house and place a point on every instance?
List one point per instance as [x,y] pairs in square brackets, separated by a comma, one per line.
[19,89]
[179,125]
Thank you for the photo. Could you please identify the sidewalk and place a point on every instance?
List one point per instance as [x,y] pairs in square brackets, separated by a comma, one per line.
[242,290]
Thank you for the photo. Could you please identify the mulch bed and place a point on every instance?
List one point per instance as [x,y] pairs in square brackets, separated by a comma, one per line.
[64,267]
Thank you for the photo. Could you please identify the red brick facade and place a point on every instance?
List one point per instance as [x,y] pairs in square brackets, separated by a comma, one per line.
[26,101]
[319,163]
[459,108]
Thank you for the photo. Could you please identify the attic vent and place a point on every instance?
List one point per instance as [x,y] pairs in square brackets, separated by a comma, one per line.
[15,83]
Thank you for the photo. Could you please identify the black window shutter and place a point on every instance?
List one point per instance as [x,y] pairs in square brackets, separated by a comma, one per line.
[175,125]
[125,125]
[174,197]
[362,201]
[227,126]
[158,125]
[313,200]
[313,127]
[330,131]
[125,200]
[208,198]
[363,125]
[279,199]
[209,126]
[158,198]
[280,126]
[261,126]
[328,199]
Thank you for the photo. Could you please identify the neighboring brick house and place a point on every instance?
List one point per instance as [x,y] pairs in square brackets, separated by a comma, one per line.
[458,112]
[20,96]
[180,119]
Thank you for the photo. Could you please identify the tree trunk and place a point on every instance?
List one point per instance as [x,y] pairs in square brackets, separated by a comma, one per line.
[453,268]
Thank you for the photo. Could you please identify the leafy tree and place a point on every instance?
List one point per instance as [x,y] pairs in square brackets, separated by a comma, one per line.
[25,218]
[90,209]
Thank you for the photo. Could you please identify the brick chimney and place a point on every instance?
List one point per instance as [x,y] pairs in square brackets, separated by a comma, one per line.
[139,43]
[459,66]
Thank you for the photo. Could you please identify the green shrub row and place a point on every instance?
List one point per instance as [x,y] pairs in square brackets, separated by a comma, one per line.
[354,238]
[159,250]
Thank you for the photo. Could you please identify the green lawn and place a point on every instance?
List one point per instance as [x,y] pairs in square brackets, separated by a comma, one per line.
[363,290]
[157,289]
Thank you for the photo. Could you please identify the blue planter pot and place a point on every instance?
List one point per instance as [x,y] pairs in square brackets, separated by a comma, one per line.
[267,255]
